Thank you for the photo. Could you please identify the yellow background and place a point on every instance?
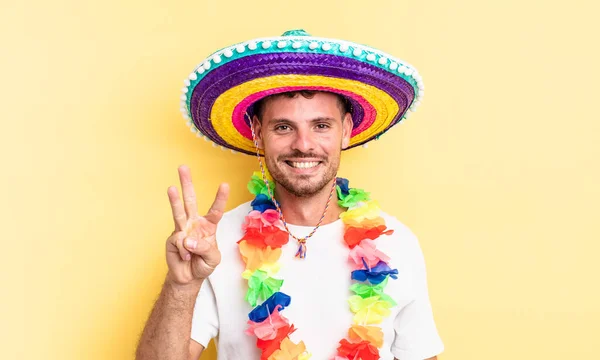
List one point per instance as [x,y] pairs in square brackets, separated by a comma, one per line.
[497,173]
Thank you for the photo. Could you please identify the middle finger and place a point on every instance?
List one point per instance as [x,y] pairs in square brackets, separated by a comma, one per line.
[187,188]
[179,217]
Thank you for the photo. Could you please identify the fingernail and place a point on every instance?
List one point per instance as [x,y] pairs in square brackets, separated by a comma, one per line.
[191,243]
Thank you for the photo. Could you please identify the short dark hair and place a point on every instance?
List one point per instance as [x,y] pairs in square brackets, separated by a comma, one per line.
[259,106]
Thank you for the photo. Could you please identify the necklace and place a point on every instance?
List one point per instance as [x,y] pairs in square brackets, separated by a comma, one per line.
[264,236]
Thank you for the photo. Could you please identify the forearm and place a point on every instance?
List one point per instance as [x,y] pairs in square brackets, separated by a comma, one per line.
[167,332]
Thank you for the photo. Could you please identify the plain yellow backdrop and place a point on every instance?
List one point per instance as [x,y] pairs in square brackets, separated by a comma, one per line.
[497,173]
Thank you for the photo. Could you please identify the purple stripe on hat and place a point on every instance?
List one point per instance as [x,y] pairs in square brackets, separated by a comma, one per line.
[252,67]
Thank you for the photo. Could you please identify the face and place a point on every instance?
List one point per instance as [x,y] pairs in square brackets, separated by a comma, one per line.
[302,140]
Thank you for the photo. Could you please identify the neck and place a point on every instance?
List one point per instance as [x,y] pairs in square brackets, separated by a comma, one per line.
[307,211]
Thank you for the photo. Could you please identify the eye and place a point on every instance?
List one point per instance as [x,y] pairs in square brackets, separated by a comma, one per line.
[323,126]
[282,128]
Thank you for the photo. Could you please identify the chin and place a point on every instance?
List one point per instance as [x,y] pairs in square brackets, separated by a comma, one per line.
[303,185]
[302,181]
[304,189]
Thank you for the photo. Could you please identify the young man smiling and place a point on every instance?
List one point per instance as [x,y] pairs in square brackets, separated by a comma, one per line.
[305,132]
[355,285]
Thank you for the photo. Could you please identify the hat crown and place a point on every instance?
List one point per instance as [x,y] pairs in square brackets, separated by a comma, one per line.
[297,32]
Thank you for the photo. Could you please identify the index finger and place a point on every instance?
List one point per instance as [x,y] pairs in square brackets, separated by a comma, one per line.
[215,213]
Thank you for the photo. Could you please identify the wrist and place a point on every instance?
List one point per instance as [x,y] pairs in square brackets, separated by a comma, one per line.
[191,287]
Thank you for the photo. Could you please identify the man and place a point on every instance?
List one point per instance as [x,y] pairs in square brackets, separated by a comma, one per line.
[355,286]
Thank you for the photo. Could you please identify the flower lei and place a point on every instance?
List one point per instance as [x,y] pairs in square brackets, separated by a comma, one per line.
[260,247]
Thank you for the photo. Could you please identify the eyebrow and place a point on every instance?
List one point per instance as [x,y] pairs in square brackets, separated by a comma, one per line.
[285,120]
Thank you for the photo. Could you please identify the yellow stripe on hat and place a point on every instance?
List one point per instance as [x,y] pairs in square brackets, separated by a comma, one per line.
[222,110]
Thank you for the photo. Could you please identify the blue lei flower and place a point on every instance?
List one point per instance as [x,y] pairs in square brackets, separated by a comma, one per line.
[344,185]
[264,310]
[376,274]
[262,202]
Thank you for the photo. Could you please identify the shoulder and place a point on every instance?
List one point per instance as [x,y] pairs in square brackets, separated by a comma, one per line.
[401,231]
[403,242]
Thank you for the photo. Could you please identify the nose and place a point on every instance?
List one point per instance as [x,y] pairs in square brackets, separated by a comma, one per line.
[303,141]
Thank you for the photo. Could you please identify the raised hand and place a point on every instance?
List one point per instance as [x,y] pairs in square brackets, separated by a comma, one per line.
[192,252]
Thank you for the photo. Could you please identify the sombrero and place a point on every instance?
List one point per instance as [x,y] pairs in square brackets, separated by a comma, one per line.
[218,95]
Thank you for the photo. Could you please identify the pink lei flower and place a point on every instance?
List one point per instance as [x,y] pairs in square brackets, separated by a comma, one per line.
[257,220]
[267,330]
[366,250]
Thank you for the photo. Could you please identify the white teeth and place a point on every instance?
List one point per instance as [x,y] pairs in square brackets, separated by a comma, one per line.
[304,165]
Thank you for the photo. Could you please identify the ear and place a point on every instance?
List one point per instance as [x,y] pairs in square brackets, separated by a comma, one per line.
[258,131]
[347,126]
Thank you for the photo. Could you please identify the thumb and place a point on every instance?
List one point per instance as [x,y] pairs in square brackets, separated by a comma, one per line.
[215,213]
[207,260]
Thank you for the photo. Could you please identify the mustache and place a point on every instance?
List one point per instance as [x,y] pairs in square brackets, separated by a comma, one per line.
[300,155]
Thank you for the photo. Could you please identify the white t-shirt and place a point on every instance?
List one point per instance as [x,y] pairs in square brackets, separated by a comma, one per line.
[319,288]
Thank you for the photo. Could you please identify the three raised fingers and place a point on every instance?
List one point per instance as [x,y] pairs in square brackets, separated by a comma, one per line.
[189,208]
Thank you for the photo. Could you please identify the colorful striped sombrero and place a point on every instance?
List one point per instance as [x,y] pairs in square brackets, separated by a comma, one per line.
[222,89]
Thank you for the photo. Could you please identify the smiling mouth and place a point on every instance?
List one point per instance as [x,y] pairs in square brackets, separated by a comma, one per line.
[303,164]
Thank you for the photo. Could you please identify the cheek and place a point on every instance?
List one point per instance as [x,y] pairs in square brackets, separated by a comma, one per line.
[331,144]
[275,145]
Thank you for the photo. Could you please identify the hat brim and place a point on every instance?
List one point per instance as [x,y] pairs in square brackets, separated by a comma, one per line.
[221,91]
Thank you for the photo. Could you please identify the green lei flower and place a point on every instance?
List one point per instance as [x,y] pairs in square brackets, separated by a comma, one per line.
[261,286]
[353,198]
[257,185]
[366,291]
